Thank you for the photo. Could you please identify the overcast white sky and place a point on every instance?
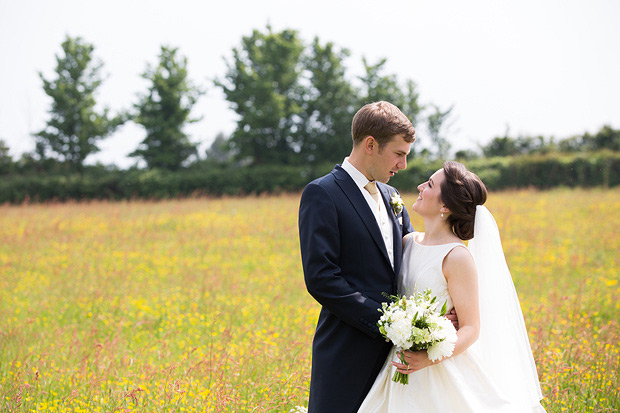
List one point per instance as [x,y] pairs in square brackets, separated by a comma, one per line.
[540,67]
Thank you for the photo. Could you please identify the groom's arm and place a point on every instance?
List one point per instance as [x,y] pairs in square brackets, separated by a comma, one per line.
[407,227]
[320,247]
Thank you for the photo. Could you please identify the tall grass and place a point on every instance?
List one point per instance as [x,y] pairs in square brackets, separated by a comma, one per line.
[199,305]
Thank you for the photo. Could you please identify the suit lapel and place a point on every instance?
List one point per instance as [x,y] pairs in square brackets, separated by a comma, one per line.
[352,191]
[397,232]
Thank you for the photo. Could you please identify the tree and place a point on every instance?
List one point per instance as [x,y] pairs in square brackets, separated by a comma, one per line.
[75,127]
[219,151]
[262,84]
[466,154]
[500,146]
[573,144]
[437,130]
[164,111]
[329,105]
[6,161]
[535,144]
[521,145]
[605,138]
[376,86]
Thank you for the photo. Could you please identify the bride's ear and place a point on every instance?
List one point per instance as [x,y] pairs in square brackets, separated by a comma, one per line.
[444,210]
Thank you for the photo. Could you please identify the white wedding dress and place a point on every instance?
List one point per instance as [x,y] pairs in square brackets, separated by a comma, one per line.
[458,384]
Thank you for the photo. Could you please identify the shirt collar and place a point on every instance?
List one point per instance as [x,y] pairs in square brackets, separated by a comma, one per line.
[358,177]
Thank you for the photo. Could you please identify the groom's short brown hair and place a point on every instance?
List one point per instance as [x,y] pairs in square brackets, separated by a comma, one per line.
[381,120]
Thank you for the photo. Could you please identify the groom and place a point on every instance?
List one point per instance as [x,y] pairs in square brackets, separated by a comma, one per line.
[351,246]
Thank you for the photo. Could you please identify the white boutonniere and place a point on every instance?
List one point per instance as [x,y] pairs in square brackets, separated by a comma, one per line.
[397,203]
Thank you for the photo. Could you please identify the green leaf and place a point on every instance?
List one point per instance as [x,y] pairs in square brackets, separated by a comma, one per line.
[444,309]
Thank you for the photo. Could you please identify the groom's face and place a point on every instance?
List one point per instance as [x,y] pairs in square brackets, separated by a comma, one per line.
[386,162]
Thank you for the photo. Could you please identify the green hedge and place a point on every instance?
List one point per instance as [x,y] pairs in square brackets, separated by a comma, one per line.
[153,184]
[549,171]
[583,170]
[536,171]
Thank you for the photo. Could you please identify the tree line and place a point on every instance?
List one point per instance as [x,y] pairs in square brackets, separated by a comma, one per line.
[294,103]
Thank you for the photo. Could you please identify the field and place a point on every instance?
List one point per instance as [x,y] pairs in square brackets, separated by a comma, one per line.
[199,305]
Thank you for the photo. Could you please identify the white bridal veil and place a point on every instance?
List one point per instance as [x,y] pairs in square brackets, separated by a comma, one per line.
[503,343]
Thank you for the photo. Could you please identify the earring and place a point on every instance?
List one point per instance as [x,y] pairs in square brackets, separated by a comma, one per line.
[442,214]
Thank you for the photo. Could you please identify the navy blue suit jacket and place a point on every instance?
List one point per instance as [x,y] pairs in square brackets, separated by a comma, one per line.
[346,269]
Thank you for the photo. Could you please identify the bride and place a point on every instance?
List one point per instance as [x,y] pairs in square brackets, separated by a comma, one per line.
[491,368]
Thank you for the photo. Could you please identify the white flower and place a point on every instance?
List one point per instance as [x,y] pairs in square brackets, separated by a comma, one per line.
[399,330]
[414,322]
[414,310]
[397,203]
[441,349]
[298,409]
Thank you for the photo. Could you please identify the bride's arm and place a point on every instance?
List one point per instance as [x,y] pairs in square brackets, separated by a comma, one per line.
[462,277]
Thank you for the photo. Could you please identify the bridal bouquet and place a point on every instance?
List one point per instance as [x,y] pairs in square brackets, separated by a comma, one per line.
[414,323]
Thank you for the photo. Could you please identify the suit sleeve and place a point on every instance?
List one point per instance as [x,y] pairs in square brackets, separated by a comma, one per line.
[320,245]
[407,227]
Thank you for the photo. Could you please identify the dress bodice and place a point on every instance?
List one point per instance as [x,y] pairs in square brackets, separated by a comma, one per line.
[422,269]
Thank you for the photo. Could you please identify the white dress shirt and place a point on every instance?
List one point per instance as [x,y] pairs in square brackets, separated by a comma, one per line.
[381,214]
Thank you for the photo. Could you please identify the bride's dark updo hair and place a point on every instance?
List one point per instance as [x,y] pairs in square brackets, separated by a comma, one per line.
[461,192]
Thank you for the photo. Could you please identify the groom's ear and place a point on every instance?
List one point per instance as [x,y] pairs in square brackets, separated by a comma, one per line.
[370,143]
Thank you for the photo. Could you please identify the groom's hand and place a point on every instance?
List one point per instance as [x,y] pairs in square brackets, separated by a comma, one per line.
[454,318]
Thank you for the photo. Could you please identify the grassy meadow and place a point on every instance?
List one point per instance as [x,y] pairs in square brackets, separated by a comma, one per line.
[199,305]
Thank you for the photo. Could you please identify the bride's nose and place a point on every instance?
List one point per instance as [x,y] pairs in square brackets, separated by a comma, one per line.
[420,187]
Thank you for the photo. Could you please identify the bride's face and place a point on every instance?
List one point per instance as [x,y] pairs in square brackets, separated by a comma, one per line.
[429,201]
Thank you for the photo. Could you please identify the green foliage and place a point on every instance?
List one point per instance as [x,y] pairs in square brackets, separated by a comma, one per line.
[153,183]
[543,172]
[522,145]
[549,171]
[262,84]
[219,151]
[419,169]
[377,86]
[328,106]
[437,131]
[466,155]
[606,138]
[6,161]
[164,111]
[501,146]
[295,103]
[75,127]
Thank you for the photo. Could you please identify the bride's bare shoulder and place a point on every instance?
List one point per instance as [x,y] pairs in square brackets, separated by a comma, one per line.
[459,261]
